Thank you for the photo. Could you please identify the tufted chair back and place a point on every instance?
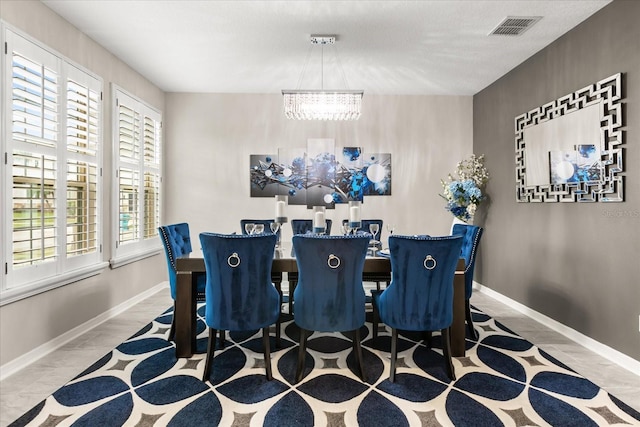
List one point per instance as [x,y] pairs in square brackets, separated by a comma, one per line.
[471,235]
[239,297]
[326,298]
[304,226]
[177,242]
[420,295]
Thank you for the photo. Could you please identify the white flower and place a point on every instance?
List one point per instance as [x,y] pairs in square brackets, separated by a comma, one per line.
[471,209]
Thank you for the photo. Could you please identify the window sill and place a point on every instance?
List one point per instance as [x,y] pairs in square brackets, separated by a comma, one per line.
[35,288]
[128,259]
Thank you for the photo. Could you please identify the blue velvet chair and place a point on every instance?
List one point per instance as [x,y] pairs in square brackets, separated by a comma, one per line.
[420,296]
[471,235]
[177,242]
[239,292]
[304,226]
[329,295]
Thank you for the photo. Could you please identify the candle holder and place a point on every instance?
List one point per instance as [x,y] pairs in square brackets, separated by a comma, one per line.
[319,222]
[355,221]
[281,209]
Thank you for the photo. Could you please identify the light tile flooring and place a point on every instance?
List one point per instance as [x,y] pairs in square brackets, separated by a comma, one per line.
[23,390]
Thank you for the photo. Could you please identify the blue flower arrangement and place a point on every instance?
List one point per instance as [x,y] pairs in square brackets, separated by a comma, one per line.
[463,192]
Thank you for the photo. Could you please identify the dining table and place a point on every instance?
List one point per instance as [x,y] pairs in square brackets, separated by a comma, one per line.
[376,268]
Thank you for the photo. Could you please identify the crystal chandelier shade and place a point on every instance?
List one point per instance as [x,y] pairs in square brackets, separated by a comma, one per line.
[322,104]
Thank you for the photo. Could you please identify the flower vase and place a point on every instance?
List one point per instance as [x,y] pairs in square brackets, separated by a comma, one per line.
[457,220]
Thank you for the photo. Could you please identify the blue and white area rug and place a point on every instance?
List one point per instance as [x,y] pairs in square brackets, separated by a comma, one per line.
[503,381]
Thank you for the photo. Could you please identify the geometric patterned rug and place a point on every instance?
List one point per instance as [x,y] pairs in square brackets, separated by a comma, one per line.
[503,380]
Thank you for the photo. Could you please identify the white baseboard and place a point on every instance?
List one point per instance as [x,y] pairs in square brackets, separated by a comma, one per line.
[39,352]
[605,351]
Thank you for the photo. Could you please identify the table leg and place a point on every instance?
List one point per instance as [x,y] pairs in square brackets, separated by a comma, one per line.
[185,314]
[457,327]
[292,287]
[277,281]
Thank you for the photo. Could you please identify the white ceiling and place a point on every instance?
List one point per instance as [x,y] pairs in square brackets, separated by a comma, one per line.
[427,47]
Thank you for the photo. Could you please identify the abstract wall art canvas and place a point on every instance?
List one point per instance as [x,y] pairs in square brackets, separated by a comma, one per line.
[264,171]
[321,175]
[377,168]
[321,172]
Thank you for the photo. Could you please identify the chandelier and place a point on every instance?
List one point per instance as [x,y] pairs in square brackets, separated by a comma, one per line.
[322,104]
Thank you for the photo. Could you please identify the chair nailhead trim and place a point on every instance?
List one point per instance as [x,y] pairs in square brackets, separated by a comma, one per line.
[168,246]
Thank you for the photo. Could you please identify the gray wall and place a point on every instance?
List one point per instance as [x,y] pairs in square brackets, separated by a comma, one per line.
[31,322]
[576,263]
[211,136]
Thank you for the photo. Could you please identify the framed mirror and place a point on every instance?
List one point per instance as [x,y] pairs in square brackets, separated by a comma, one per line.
[570,149]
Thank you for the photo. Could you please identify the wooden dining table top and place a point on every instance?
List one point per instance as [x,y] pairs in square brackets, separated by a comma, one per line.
[283,262]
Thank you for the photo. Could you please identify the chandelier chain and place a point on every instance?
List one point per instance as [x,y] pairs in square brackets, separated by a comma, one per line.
[344,76]
[322,68]
[304,69]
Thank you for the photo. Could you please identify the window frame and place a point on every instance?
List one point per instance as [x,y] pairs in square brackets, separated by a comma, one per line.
[140,247]
[22,282]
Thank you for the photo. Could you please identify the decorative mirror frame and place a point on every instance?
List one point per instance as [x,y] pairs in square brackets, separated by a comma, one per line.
[608,94]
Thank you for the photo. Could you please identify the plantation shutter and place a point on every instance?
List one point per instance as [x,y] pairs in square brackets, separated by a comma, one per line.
[128,174]
[139,178]
[152,132]
[35,117]
[82,174]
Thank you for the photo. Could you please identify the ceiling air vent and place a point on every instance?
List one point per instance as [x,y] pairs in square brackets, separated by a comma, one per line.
[514,25]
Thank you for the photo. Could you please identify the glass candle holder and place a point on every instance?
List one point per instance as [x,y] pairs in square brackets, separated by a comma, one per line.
[319,221]
[281,209]
[355,221]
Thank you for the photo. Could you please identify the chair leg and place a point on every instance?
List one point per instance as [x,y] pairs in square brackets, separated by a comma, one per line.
[266,349]
[172,331]
[292,287]
[446,349]
[357,349]
[376,319]
[394,354]
[426,336]
[211,349]
[278,285]
[302,350]
[221,339]
[469,320]
[278,333]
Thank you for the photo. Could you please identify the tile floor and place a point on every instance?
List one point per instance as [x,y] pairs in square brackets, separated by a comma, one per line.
[23,390]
